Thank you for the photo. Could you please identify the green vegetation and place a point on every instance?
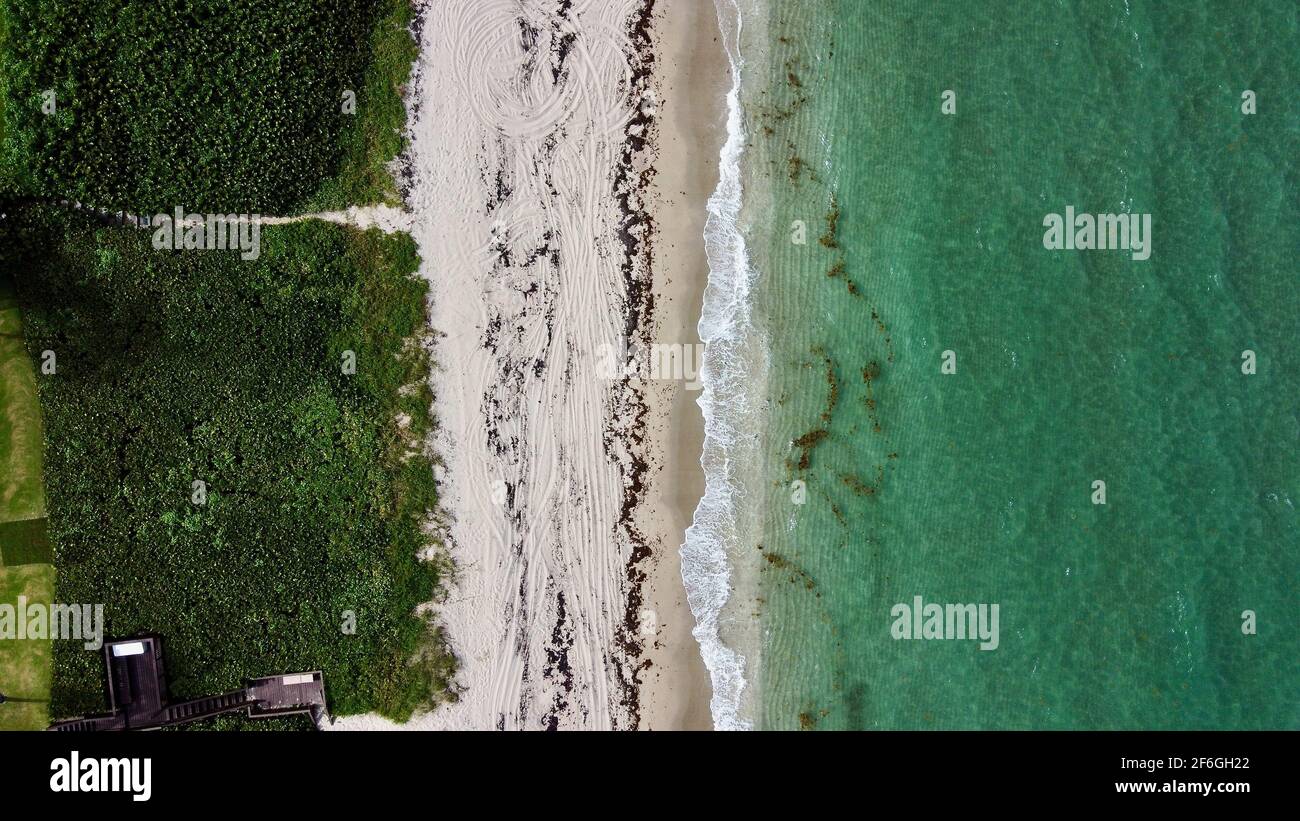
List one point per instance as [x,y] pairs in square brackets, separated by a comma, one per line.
[21,494]
[212,105]
[25,665]
[374,136]
[238,722]
[175,368]
[178,367]
[24,542]
[24,550]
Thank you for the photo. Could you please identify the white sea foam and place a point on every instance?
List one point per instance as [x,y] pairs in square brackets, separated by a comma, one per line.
[733,352]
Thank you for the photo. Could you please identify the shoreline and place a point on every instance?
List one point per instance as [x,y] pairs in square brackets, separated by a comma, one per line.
[691,89]
[717,554]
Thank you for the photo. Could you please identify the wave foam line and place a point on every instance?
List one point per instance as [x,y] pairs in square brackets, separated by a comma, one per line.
[727,332]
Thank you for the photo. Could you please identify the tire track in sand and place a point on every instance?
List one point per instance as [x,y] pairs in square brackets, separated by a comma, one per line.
[521,116]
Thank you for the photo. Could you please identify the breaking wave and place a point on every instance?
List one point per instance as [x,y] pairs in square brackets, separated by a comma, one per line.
[734,357]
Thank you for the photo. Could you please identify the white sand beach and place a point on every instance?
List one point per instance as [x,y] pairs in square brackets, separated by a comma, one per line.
[560,159]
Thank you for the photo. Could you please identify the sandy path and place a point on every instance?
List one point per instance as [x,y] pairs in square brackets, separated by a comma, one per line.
[385,217]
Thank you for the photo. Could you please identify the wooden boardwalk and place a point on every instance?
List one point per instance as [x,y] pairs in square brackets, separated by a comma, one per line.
[138,699]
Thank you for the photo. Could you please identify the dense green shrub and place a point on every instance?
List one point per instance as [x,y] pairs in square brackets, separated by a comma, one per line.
[182,366]
[238,722]
[212,105]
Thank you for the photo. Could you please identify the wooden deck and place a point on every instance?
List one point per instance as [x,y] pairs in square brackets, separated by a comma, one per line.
[279,695]
[138,698]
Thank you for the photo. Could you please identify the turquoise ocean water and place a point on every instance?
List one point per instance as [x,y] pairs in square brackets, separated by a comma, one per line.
[860,475]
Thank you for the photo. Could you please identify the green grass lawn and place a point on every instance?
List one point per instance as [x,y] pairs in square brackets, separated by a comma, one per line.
[21,492]
[25,541]
[25,666]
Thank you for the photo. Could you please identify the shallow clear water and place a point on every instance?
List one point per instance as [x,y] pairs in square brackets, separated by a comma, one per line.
[1071,366]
